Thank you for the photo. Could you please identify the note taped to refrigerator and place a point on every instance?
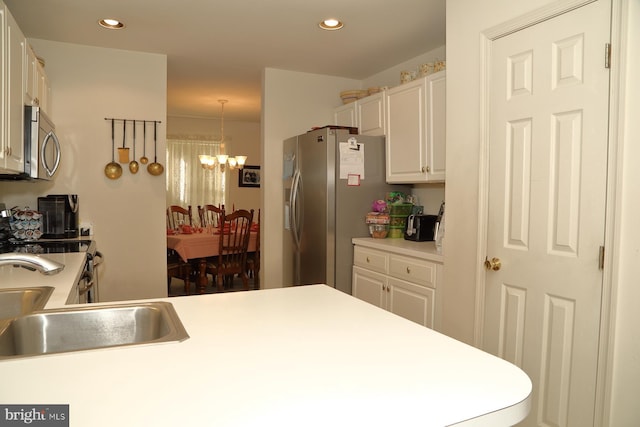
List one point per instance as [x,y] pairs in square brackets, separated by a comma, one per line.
[351,159]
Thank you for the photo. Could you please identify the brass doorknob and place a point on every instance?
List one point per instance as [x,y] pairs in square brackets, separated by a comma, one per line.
[493,264]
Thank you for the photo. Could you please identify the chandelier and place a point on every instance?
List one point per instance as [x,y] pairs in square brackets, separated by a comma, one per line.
[222,159]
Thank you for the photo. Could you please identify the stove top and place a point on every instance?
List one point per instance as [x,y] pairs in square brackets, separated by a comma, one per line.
[49,246]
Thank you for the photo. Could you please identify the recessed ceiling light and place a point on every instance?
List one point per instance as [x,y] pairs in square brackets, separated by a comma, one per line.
[331,24]
[111,24]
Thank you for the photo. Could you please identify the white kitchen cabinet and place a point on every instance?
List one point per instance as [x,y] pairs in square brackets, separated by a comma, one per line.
[415,124]
[37,88]
[346,115]
[404,285]
[13,60]
[371,115]
[367,114]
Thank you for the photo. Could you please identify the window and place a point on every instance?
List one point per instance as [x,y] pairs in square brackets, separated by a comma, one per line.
[187,182]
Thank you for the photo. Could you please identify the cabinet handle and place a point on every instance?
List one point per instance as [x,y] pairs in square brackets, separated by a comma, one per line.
[408,270]
[367,259]
[384,288]
[388,289]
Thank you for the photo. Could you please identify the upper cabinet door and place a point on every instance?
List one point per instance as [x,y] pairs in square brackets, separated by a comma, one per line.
[15,60]
[346,115]
[371,115]
[436,129]
[415,114]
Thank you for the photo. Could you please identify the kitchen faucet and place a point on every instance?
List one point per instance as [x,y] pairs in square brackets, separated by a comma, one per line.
[31,262]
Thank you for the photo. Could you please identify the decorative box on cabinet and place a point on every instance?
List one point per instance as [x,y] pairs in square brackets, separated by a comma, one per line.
[403,285]
[415,123]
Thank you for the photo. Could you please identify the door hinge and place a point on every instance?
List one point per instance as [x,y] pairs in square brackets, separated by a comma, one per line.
[601,258]
[607,55]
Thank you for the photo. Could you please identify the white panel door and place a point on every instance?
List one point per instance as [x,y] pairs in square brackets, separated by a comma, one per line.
[547,181]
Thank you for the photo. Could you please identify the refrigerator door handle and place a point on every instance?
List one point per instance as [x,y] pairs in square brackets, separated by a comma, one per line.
[296,219]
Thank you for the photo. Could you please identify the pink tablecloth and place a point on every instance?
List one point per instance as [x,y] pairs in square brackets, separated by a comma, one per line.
[200,245]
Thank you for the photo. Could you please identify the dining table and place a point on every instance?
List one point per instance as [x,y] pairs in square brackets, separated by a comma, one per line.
[198,246]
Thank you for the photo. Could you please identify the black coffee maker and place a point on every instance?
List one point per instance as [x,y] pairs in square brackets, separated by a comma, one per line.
[59,216]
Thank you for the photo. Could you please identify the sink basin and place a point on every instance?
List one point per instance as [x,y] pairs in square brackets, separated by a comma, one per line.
[88,328]
[18,301]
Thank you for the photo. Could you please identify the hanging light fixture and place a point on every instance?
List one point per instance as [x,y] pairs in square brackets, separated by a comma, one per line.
[209,162]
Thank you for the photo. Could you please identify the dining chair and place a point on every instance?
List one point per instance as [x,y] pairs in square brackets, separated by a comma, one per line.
[179,269]
[177,215]
[210,215]
[234,232]
[253,258]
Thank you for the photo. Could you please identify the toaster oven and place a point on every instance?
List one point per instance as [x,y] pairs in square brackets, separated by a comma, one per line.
[420,228]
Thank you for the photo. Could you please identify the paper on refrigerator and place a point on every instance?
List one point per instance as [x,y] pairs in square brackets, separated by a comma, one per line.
[351,159]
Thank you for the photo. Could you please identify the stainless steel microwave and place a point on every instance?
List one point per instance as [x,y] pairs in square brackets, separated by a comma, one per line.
[41,148]
[41,145]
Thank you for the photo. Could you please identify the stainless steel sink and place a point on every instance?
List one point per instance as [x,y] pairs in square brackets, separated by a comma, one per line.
[87,328]
[19,301]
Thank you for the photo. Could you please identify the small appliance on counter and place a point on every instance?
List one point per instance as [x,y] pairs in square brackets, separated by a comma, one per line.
[5,226]
[420,228]
[59,216]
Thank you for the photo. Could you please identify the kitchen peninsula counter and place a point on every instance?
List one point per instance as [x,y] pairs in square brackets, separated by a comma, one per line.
[307,355]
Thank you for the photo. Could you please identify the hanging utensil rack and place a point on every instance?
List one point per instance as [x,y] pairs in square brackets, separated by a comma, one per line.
[123,151]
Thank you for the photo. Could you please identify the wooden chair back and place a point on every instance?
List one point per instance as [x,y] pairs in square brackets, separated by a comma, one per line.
[210,215]
[234,242]
[177,215]
[253,259]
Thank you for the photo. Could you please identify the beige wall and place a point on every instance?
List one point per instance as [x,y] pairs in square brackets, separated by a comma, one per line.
[466,20]
[624,377]
[292,103]
[241,138]
[89,84]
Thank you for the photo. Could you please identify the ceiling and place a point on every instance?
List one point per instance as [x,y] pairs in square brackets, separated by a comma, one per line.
[217,49]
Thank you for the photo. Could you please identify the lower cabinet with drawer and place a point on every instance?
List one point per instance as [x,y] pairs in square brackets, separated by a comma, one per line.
[403,285]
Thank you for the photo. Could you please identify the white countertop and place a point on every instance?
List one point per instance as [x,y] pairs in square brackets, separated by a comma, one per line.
[308,355]
[422,250]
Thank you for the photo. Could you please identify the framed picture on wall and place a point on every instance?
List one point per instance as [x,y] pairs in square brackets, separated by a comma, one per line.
[249,176]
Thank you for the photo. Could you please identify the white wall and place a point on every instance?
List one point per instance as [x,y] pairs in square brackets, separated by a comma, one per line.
[625,376]
[466,19]
[391,76]
[241,138]
[88,85]
[292,103]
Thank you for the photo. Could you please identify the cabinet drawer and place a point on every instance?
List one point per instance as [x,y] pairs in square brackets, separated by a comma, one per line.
[370,259]
[413,270]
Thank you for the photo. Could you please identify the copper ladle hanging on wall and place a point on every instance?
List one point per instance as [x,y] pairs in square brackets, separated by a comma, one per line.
[144,160]
[113,170]
[133,165]
[155,168]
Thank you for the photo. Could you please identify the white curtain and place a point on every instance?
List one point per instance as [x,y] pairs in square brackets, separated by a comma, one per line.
[187,182]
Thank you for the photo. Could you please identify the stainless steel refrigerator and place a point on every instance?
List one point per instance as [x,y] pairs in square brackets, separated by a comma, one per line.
[330,180]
